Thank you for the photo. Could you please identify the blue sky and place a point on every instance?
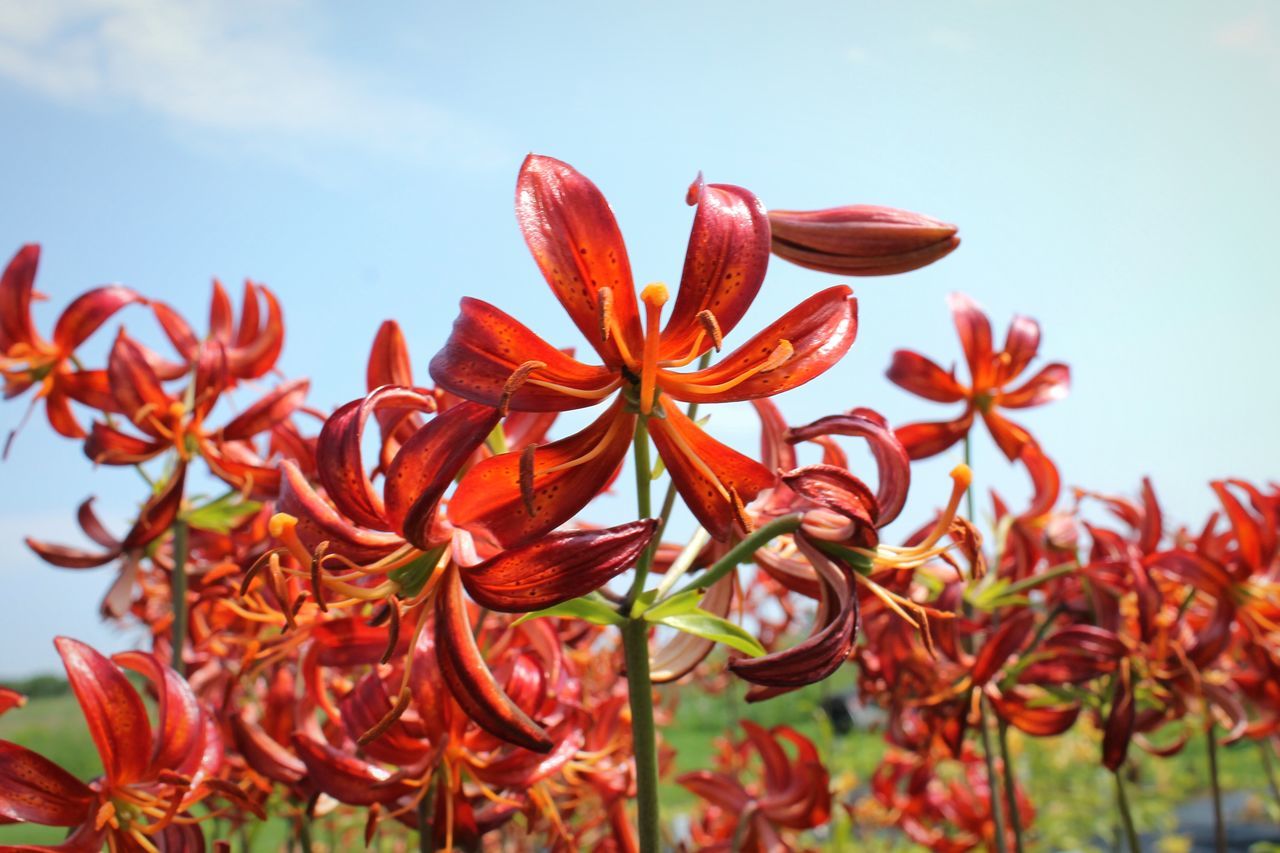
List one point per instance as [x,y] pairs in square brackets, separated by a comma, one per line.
[1112,168]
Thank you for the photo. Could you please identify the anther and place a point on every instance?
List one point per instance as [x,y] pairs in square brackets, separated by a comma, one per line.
[526,477]
[712,327]
[514,381]
[606,312]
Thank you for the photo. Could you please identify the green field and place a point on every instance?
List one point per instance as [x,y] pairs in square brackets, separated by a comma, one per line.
[1071,792]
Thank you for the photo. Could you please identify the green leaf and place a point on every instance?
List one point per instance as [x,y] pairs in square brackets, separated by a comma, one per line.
[222,514]
[587,609]
[684,602]
[413,576]
[700,623]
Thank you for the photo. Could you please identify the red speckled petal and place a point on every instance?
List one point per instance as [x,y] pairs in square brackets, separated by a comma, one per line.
[113,710]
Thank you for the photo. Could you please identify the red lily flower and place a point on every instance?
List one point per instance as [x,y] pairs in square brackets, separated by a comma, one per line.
[491,358]
[251,349]
[152,776]
[26,358]
[990,375]
[153,521]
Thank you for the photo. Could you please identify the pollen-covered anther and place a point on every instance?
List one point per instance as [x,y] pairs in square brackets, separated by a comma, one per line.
[606,312]
[740,511]
[712,327]
[514,381]
[284,527]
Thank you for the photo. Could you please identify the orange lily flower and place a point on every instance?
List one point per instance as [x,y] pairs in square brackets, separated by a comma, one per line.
[990,375]
[491,358]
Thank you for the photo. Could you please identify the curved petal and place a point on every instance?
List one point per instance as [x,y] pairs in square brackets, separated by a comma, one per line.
[57,408]
[263,754]
[108,446]
[860,239]
[1045,482]
[176,329]
[826,649]
[70,558]
[1020,346]
[257,349]
[35,790]
[428,463]
[835,489]
[90,387]
[1010,437]
[345,777]
[975,339]
[135,384]
[16,285]
[388,358]
[268,411]
[158,513]
[179,715]
[1051,383]
[113,710]
[340,447]
[929,439]
[575,240]
[1035,719]
[87,312]
[715,480]
[818,332]
[486,361]
[468,677]
[681,653]
[563,477]
[922,377]
[318,522]
[556,568]
[724,266]
[893,463]
[1118,730]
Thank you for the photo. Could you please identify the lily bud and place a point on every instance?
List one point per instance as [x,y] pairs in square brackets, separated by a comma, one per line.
[860,239]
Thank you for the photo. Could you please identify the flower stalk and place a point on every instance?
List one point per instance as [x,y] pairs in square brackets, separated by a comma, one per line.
[181,549]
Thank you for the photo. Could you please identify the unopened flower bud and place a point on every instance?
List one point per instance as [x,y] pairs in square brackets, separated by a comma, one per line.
[860,239]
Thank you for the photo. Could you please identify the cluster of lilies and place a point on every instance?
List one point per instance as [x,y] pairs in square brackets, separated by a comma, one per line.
[397,615]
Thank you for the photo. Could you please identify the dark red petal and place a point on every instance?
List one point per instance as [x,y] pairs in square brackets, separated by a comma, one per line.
[345,777]
[709,475]
[16,285]
[1010,437]
[35,790]
[835,489]
[1118,730]
[427,465]
[135,384]
[490,497]
[57,408]
[487,347]
[975,338]
[917,374]
[108,446]
[929,439]
[113,710]
[158,513]
[556,568]
[820,331]
[177,329]
[860,239]
[10,699]
[340,449]
[350,641]
[1046,484]
[1001,645]
[88,312]
[90,387]
[1051,383]
[270,410]
[575,240]
[893,463]
[468,677]
[181,722]
[70,558]
[1035,719]
[253,357]
[723,266]
[263,754]
[835,626]
[220,314]
[318,522]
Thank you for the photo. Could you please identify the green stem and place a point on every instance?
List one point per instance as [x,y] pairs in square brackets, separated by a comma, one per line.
[669,499]
[644,509]
[742,552]
[1126,816]
[179,595]
[1042,578]
[304,833]
[1010,793]
[1219,826]
[635,641]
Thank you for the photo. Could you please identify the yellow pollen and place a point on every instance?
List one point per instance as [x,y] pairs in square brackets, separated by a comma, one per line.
[654,295]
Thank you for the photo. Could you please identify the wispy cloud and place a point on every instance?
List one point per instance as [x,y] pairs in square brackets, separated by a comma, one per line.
[1255,36]
[251,70]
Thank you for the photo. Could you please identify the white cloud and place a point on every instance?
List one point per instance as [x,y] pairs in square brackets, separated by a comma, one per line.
[251,70]
[1249,34]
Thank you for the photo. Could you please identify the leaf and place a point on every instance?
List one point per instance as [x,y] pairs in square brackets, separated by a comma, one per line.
[221,515]
[700,623]
[684,602]
[414,575]
[587,609]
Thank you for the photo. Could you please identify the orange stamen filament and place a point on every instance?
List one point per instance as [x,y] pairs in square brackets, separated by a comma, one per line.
[590,454]
[698,463]
[777,357]
[654,297]
[584,394]
[691,356]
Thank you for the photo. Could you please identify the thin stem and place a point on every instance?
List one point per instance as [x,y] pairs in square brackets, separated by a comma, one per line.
[1264,747]
[1010,794]
[1042,578]
[304,833]
[1126,816]
[635,641]
[179,594]
[993,778]
[1219,826]
[426,809]
[742,551]
[644,508]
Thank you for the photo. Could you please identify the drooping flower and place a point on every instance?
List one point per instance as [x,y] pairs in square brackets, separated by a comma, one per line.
[991,373]
[491,358]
